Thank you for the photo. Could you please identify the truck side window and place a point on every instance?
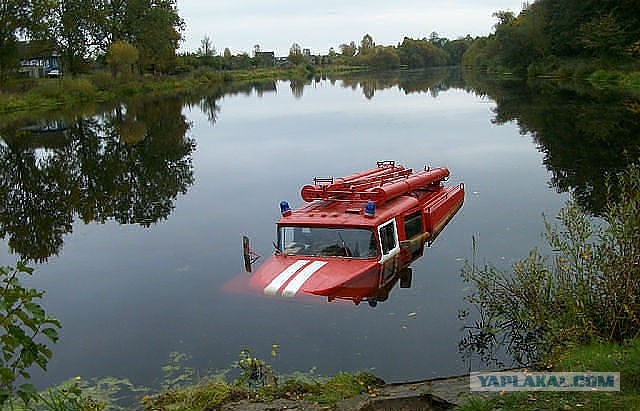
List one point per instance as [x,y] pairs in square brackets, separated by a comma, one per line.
[413,224]
[388,237]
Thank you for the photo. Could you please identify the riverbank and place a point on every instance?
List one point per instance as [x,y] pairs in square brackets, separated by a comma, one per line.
[366,392]
[39,96]
[47,94]
[618,79]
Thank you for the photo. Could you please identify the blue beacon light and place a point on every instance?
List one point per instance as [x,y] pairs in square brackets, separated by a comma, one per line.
[285,210]
[370,209]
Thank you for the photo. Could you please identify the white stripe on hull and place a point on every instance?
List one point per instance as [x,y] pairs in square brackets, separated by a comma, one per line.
[292,288]
[283,277]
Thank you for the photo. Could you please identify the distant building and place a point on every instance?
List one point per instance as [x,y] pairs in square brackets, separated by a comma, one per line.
[282,61]
[39,58]
[265,58]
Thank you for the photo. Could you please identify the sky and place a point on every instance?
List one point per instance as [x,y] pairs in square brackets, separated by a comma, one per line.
[275,25]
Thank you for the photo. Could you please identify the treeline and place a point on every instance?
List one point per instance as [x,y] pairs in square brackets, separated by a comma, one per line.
[551,34]
[142,34]
[410,53]
[136,36]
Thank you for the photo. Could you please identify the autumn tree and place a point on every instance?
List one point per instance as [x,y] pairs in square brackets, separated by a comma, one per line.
[122,57]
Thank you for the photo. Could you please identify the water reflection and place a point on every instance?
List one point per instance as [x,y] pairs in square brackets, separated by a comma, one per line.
[128,164]
[210,102]
[131,163]
[432,82]
[371,291]
[584,133]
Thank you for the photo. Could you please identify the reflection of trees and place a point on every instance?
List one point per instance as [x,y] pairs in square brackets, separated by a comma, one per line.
[209,105]
[431,81]
[129,165]
[34,210]
[583,133]
[209,102]
[297,87]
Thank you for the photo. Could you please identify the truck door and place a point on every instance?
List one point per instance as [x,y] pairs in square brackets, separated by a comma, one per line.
[390,247]
[414,232]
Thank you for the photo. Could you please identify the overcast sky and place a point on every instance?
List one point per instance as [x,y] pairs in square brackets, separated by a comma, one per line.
[320,24]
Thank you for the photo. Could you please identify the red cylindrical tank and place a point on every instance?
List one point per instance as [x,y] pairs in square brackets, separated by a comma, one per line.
[420,179]
[312,192]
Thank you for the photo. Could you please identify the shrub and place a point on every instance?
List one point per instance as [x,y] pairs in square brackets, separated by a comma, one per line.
[103,81]
[23,323]
[80,89]
[588,289]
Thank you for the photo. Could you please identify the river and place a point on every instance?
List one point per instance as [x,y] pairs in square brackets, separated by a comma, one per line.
[133,215]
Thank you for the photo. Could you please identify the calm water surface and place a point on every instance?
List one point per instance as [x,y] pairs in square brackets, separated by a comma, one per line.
[135,264]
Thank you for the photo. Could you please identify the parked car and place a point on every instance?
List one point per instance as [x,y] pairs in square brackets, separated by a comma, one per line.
[53,72]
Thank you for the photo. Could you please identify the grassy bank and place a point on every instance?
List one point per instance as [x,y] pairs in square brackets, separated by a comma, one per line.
[52,94]
[625,77]
[599,357]
[304,392]
[213,394]
[617,79]
[41,95]
[207,394]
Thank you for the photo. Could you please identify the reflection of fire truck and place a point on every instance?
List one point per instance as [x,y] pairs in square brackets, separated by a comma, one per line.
[357,234]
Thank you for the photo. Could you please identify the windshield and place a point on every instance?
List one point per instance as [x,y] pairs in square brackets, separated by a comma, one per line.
[324,242]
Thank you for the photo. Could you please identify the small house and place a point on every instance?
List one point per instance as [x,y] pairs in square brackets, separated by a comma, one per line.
[39,58]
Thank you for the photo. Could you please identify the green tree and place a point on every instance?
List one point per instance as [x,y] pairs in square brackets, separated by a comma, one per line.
[115,12]
[23,323]
[295,54]
[156,31]
[78,30]
[421,53]
[384,58]
[366,44]
[13,19]
[603,36]
[20,19]
[436,40]
[504,18]
[122,57]
[456,49]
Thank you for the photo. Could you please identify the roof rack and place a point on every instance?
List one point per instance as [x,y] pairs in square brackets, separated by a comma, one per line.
[380,184]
